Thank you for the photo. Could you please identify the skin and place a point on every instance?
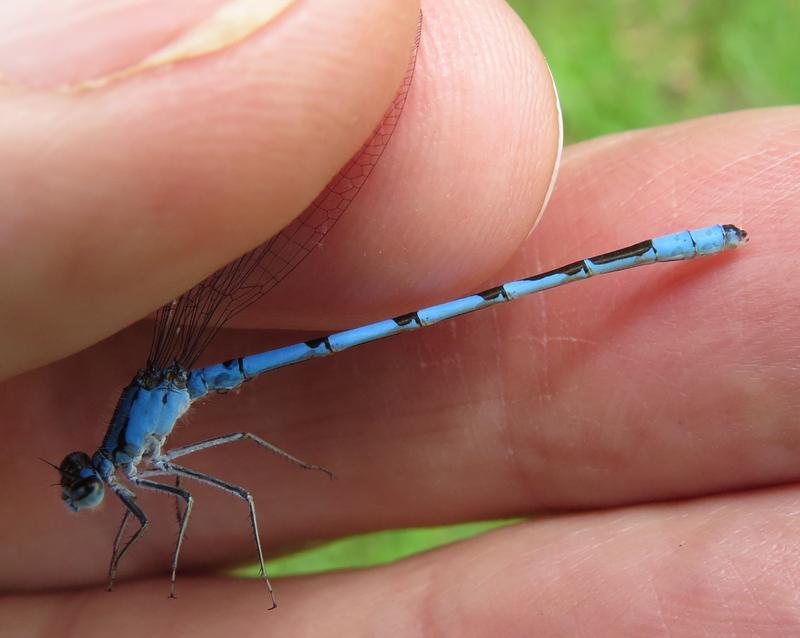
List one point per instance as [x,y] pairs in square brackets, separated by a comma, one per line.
[647,418]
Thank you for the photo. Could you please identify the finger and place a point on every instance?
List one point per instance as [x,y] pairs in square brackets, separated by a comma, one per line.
[206,130]
[673,569]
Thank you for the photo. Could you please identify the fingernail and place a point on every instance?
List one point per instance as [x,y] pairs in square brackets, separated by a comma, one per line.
[82,44]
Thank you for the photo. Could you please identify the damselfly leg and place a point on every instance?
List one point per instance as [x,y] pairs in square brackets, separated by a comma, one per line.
[117,555]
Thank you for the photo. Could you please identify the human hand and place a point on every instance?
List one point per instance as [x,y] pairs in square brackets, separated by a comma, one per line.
[628,392]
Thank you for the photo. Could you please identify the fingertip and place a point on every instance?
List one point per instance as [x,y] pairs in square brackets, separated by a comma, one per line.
[126,193]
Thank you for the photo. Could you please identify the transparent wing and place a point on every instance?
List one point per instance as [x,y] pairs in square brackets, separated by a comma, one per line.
[185,326]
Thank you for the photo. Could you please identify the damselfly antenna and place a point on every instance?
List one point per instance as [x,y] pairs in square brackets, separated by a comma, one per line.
[53,465]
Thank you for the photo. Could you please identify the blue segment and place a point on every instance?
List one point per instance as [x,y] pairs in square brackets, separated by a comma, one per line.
[622,263]
[709,240]
[522,287]
[432,314]
[223,376]
[255,364]
[370,332]
[676,246]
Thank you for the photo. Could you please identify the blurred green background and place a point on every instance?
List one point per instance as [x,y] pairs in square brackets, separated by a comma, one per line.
[622,64]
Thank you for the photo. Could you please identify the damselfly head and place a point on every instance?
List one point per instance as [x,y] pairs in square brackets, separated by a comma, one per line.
[81,485]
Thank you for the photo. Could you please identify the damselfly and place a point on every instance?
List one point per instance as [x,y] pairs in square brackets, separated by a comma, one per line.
[160,394]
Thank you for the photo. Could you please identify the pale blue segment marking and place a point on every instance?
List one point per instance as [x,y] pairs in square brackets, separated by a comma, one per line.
[522,287]
[343,340]
[709,240]
[432,314]
[676,246]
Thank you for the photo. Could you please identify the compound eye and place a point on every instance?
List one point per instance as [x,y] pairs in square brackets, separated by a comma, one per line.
[73,463]
[85,492]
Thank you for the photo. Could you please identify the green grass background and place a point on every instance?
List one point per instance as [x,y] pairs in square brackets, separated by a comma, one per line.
[622,64]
